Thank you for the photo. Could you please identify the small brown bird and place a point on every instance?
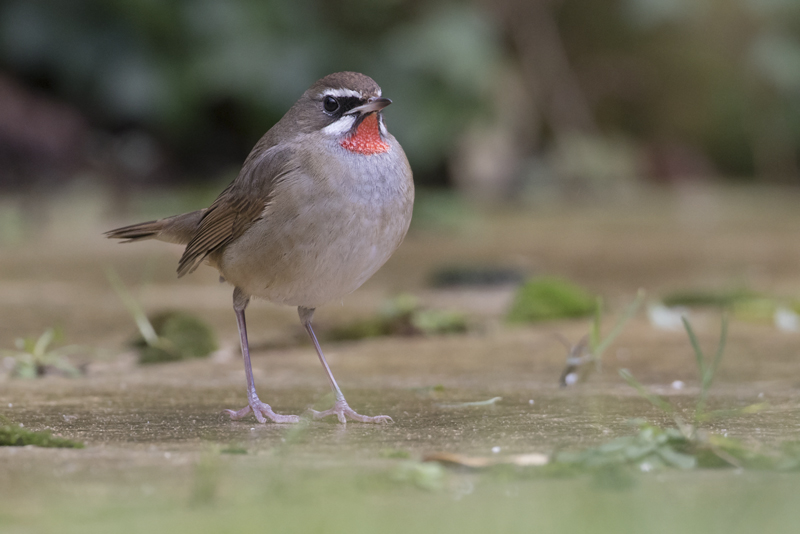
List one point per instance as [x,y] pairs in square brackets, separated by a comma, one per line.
[322,201]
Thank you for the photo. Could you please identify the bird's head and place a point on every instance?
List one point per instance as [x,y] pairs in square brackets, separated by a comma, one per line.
[347,106]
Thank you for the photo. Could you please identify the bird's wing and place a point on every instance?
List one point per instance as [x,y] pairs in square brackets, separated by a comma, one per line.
[238,207]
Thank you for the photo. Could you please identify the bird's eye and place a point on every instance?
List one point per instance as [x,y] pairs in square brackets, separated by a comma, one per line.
[330,104]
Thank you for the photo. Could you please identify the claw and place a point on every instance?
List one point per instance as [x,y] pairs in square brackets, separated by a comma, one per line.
[260,410]
[342,411]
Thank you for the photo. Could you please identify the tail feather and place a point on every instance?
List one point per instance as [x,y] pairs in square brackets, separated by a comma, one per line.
[136,232]
[178,229]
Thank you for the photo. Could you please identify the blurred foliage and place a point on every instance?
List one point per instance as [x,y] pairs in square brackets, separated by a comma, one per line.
[757,310]
[656,448]
[35,357]
[428,476]
[720,299]
[744,304]
[546,298]
[508,91]
[474,276]
[402,316]
[211,77]
[179,336]
[168,336]
[591,347]
[719,78]
[685,446]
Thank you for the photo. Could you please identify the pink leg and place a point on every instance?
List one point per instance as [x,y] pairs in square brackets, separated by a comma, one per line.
[340,407]
[259,409]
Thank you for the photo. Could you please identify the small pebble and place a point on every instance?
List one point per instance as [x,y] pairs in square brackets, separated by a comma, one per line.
[665,318]
[495,449]
[530,401]
[167,455]
[678,384]
[787,320]
[10,405]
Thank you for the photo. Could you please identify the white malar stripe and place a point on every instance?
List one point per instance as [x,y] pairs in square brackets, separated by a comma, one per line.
[341,126]
[381,125]
[341,92]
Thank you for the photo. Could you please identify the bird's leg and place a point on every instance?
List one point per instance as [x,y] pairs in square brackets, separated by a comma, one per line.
[259,409]
[340,407]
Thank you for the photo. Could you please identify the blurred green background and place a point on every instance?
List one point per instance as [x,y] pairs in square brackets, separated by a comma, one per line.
[497,99]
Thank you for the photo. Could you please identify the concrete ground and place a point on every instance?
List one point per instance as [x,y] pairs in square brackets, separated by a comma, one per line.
[156,439]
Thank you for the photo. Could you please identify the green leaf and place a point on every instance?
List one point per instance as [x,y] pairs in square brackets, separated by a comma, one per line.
[676,459]
[40,348]
[723,338]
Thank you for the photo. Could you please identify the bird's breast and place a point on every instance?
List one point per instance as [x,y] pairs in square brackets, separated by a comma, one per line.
[325,231]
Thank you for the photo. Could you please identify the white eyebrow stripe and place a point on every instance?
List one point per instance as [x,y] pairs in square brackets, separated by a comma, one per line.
[341,126]
[342,92]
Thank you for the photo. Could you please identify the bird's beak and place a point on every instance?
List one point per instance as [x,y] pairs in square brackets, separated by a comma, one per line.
[373,104]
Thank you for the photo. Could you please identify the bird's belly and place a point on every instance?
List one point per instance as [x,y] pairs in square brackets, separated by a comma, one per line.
[324,251]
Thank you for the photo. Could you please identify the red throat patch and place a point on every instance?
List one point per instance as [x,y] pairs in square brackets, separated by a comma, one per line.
[367,139]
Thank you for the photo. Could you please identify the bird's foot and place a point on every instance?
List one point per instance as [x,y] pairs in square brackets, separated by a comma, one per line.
[342,411]
[260,410]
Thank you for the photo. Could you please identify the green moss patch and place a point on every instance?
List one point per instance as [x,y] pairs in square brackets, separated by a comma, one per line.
[546,298]
[14,435]
[718,299]
[468,276]
[744,304]
[402,316]
[180,336]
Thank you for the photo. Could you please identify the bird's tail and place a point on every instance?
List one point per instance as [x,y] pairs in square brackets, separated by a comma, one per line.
[178,229]
[136,232]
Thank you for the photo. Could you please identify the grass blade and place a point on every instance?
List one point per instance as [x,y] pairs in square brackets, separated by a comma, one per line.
[40,348]
[698,352]
[594,333]
[627,315]
[723,338]
[142,322]
[707,373]
[655,400]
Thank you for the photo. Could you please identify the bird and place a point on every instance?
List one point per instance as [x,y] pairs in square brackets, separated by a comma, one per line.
[322,201]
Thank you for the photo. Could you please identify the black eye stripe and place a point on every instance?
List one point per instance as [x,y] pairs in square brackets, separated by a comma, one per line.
[346,103]
[349,102]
